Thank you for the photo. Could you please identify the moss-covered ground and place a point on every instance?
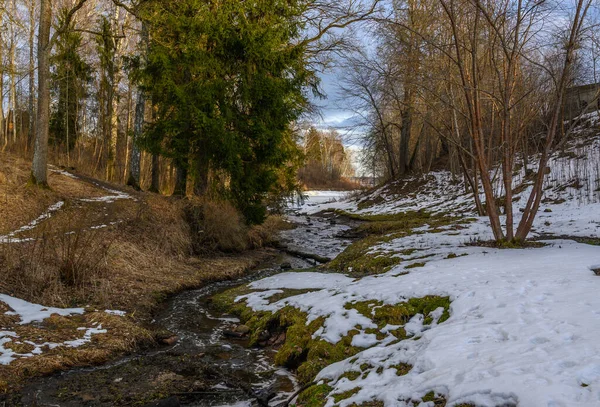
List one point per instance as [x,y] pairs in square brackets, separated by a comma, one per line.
[361,259]
[307,354]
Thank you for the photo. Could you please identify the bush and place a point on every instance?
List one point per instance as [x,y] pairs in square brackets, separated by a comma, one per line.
[55,262]
[216,225]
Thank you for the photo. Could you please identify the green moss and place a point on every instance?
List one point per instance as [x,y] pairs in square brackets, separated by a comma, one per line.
[288,292]
[400,314]
[314,396]
[415,265]
[438,400]
[309,356]
[402,369]
[296,348]
[347,394]
[299,351]
[358,259]
[380,335]
[322,354]
[351,375]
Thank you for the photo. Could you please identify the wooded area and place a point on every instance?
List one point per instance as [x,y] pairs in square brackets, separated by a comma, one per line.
[187,97]
[481,84]
[205,97]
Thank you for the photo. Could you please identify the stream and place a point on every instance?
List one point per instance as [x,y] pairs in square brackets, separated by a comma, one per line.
[204,367]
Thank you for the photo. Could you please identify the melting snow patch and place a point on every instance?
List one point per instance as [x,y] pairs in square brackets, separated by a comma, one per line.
[31,225]
[87,337]
[115,312]
[29,312]
[116,195]
[63,172]
[7,355]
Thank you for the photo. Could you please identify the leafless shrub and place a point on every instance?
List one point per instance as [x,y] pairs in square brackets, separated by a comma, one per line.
[53,265]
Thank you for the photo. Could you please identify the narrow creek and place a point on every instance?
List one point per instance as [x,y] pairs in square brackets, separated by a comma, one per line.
[207,366]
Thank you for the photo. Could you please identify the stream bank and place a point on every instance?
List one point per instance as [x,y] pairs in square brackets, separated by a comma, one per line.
[204,367]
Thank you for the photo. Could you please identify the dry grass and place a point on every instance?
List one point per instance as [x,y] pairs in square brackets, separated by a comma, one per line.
[123,335]
[144,254]
[18,204]
[217,226]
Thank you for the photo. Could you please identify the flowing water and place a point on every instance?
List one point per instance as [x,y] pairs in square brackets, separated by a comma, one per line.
[204,367]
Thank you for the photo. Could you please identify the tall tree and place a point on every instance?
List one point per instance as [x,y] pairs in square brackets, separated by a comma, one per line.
[69,81]
[39,172]
[135,159]
[228,79]
[31,107]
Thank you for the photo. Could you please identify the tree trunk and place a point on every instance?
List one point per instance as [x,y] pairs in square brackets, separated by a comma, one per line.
[31,107]
[138,125]
[181,174]
[40,156]
[135,157]
[13,75]
[110,139]
[405,135]
[155,182]
[202,168]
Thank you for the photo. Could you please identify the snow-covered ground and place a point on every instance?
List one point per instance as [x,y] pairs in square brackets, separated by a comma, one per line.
[524,324]
[34,313]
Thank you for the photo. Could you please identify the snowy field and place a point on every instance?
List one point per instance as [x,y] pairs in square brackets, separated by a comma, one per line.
[524,324]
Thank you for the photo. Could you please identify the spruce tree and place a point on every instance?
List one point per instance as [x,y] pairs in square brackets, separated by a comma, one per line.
[70,78]
[228,81]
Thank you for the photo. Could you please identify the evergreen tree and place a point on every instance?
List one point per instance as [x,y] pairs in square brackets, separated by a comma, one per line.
[228,81]
[70,78]
[107,97]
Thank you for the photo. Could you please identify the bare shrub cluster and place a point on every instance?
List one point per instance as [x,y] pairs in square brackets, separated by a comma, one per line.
[52,265]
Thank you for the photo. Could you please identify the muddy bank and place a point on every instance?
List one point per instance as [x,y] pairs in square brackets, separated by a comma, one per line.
[202,367]
[206,360]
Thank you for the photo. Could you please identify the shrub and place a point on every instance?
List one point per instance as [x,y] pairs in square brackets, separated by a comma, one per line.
[216,225]
[53,263]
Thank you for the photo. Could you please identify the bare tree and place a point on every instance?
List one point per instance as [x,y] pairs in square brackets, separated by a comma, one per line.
[39,171]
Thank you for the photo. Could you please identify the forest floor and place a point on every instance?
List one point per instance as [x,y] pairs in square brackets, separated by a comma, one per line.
[110,254]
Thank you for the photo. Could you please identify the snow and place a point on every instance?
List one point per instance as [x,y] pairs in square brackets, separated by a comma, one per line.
[10,238]
[29,312]
[115,196]
[87,337]
[116,312]
[312,201]
[7,355]
[62,172]
[521,327]
[524,323]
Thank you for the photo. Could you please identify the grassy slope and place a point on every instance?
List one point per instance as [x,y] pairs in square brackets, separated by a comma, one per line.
[132,265]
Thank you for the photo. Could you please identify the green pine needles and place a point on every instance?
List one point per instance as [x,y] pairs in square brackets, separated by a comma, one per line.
[71,76]
[227,80]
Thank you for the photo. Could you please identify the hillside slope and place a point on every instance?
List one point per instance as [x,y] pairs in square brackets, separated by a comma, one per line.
[90,246]
[425,312]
